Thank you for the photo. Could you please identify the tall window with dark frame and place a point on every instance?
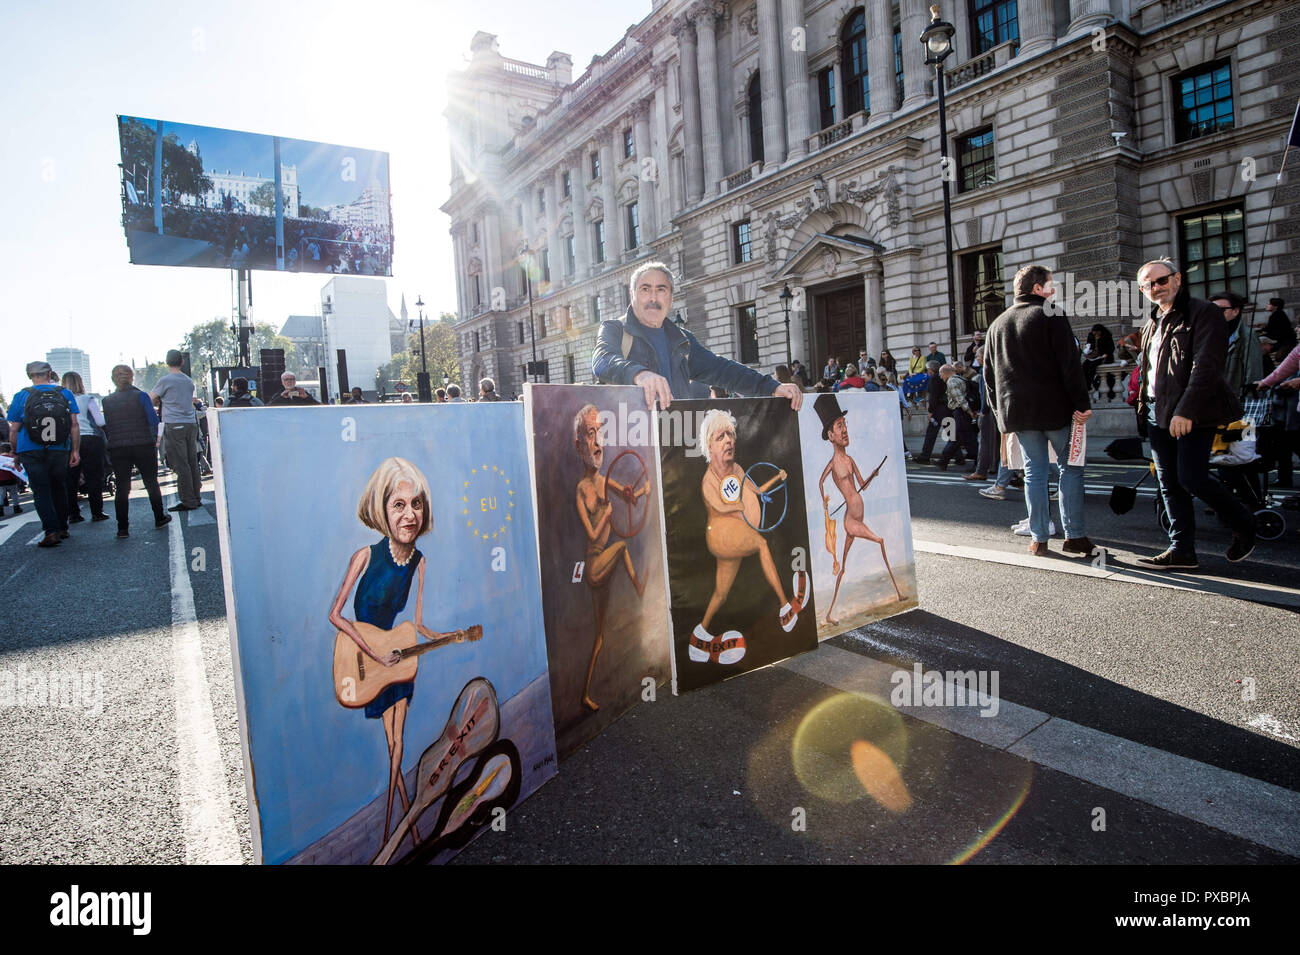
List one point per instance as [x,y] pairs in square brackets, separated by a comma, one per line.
[474,231]
[523,280]
[546,265]
[598,234]
[595,165]
[898,66]
[1213,251]
[983,296]
[826,96]
[570,258]
[477,341]
[853,59]
[1203,101]
[475,291]
[571,371]
[629,146]
[993,22]
[541,202]
[975,160]
[741,242]
[747,321]
[566,183]
[754,101]
[521,332]
[633,230]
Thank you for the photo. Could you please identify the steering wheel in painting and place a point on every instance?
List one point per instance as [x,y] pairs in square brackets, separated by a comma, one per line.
[642,475]
[765,498]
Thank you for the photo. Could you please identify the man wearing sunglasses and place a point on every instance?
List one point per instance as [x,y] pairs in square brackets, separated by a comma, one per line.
[1183,396]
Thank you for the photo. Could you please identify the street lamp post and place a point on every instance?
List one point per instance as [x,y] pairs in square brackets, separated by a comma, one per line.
[937,40]
[786,295]
[422,379]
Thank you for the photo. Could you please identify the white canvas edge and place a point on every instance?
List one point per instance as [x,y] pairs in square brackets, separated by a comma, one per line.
[227,576]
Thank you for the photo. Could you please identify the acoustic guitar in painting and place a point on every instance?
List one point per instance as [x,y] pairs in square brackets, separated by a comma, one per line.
[358,679]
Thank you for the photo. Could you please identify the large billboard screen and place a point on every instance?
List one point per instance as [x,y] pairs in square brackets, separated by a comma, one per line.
[218,198]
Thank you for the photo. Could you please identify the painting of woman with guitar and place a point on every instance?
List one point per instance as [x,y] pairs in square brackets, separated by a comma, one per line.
[375,662]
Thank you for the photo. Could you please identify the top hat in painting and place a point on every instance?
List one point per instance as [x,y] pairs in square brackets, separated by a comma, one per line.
[828,409]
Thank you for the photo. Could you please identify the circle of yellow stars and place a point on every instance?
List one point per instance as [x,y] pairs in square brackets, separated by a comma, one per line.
[487,534]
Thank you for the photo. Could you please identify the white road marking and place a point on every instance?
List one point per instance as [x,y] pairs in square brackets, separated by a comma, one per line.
[207,820]
[37,539]
[1242,806]
[10,527]
[199,518]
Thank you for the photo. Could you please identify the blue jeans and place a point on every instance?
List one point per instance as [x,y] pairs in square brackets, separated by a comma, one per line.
[47,473]
[1034,445]
[1183,469]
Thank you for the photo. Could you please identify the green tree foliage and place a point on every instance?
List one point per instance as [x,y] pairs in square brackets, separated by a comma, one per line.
[182,170]
[263,198]
[210,345]
[147,377]
[440,340]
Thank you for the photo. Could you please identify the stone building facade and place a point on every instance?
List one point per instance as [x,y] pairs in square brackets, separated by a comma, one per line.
[759,145]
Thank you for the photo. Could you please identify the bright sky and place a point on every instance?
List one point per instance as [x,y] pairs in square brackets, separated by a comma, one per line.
[369,75]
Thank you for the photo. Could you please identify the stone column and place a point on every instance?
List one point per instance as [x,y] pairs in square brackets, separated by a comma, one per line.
[1037,26]
[1088,14]
[581,232]
[769,78]
[613,226]
[556,198]
[872,284]
[462,266]
[880,60]
[690,83]
[914,18]
[492,260]
[705,15]
[647,173]
[798,126]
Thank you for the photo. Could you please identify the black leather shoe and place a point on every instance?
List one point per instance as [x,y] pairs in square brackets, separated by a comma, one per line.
[163,521]
[1171,560]
[121,532]
[99,517]
[1241,546]
[76,519]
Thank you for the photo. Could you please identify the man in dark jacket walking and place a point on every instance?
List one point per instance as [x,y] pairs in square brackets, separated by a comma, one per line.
[666,361]
[1184,397]
[131,432]
[1036,389]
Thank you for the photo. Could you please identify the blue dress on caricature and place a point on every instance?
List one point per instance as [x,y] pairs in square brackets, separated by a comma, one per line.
[380,597]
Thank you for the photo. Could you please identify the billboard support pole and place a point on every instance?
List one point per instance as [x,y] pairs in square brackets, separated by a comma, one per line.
[245,307]
[279,210]
[157,178]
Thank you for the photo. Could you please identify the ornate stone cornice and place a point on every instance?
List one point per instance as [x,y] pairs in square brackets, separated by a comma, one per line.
[683,30]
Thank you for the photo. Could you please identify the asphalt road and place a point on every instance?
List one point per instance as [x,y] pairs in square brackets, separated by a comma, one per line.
[1138,723]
